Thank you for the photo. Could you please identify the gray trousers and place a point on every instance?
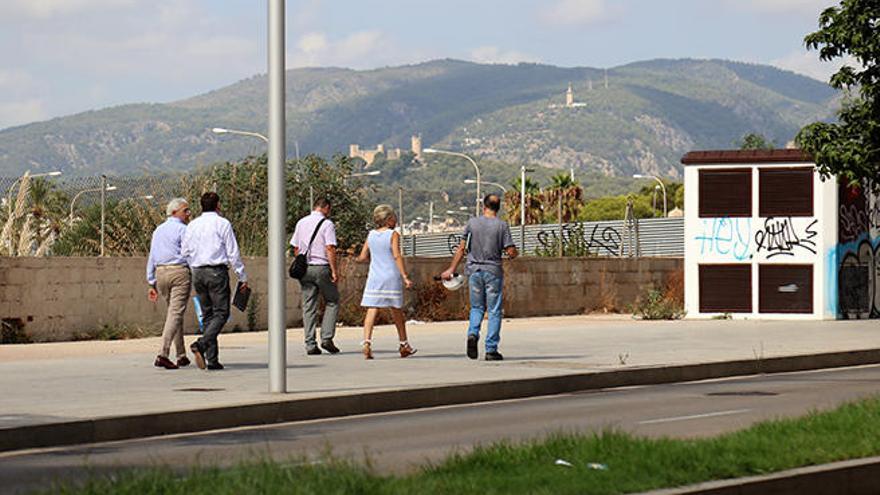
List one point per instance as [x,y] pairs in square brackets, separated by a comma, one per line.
[317,281]
[212,286]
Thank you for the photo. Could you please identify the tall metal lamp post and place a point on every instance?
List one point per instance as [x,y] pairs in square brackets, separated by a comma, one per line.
[277,201]
[105,188]
[522,207]
[16,181]
[662,186]
[466,157]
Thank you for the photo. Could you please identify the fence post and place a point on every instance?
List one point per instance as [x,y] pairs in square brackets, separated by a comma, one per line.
[560,250]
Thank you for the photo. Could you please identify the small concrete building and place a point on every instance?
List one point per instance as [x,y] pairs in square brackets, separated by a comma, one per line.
[767,238]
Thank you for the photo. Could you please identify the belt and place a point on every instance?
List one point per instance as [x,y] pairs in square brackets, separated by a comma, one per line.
[171,265]
[225,267]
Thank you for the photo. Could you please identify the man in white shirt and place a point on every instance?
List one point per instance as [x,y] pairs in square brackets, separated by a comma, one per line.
[321,276]
[168,275]
[210,247]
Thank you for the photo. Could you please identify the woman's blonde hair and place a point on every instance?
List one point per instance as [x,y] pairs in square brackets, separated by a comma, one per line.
[381,215]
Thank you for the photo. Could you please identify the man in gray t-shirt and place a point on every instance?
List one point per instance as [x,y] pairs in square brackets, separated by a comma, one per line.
[485,239]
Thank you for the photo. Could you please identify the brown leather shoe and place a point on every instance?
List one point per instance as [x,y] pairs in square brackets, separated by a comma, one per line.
[368,350]
[183,362]
[164,362]
[406,350]
[197,354]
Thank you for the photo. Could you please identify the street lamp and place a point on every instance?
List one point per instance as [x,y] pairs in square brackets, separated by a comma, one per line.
[44,174]
[662,186]
[103,190]
[472,181]
[221,130]
[97,189]
[522,207]
[371,173]
[466,157]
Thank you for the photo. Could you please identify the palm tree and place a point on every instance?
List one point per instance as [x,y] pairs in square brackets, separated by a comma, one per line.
[569,192]
[534,203]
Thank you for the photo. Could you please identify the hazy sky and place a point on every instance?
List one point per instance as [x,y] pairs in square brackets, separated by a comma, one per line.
[64,56]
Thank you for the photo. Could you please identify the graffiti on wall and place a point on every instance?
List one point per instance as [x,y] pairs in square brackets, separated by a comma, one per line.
[779,237]
[858,253]
[726,237]
[601,241]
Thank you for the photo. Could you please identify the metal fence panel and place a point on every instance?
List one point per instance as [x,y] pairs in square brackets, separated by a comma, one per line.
[657,237]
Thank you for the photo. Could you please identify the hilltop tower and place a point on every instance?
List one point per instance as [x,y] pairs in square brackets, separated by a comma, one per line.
[416,141]
[569,97]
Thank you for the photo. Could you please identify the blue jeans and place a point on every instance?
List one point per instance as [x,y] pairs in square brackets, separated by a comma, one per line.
[486,295]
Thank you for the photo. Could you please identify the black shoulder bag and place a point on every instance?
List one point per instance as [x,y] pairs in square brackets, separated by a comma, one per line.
[300,263]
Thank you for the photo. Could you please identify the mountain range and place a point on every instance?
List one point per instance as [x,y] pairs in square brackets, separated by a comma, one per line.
[637,118]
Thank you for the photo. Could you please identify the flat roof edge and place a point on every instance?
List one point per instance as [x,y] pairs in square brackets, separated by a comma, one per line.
[724,157]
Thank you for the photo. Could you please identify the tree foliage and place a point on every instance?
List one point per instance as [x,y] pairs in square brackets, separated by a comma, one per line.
[754,141]
[242,187]
[851,146]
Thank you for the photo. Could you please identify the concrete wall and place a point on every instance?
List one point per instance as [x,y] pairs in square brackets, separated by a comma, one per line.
[57,297]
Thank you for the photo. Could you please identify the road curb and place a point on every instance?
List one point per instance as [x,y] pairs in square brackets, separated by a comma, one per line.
[286,410]
[857,477]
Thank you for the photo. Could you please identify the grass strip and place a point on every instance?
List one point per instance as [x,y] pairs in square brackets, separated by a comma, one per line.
[634,464]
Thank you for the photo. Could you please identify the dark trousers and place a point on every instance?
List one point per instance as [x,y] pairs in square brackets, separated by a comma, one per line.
[212,286]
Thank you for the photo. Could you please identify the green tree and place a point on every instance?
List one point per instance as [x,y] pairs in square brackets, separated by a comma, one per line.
[243,200]
[851,146]
[571,194]
[614,208]
[754,141]
[534,203]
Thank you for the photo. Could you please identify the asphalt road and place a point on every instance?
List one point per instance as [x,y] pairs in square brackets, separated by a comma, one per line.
[397,442]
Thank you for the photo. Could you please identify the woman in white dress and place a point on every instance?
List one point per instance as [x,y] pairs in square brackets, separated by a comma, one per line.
[386,280]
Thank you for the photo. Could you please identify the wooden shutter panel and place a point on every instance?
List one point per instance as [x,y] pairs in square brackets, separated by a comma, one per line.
[785,288]
[785,192]
[726,288]
[725,193]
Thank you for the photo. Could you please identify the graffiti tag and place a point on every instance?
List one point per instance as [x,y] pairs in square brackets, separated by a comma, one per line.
[453,241]
[780,238]
[604,241]
[726,236]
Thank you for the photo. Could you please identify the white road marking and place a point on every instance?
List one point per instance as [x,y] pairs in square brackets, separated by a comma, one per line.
[693,416]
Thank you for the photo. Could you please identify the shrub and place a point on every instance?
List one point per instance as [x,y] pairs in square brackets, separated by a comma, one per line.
[654,305]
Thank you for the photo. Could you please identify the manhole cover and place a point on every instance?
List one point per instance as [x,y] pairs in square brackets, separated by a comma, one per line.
[747,393]
[198,389]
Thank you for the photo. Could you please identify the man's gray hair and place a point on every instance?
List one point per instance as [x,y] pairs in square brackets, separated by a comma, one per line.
[174,205]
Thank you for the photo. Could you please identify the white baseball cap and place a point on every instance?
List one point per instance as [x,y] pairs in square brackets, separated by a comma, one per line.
[455,283]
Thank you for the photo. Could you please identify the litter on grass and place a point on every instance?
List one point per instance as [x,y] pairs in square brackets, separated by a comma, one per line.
[597,466]
[563,462]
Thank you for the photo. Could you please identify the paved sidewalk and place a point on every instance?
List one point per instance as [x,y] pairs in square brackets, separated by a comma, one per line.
[49,383]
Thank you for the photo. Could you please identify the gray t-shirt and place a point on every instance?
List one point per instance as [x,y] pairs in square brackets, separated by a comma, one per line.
[487,238]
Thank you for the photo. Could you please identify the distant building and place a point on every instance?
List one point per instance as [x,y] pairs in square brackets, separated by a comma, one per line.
[569,100]
[369,156]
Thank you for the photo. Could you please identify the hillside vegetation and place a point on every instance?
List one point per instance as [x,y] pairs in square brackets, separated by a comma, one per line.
[649,115]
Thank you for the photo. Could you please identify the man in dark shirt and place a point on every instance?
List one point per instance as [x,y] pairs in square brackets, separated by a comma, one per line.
[486,238]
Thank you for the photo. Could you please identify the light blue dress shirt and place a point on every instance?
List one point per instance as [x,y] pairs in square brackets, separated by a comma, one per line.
[165,247]
[209,241]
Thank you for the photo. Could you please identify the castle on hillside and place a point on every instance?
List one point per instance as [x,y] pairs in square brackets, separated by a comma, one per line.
[369,156]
